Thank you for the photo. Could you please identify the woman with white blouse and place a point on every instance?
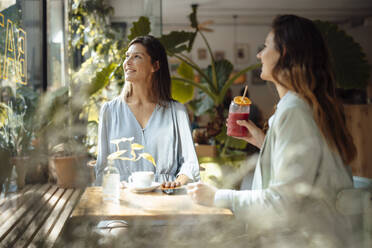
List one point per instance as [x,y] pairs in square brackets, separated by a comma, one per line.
[304,155]
[146,111]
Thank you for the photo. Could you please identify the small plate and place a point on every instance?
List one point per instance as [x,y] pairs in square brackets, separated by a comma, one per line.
[135,189]
[180,190]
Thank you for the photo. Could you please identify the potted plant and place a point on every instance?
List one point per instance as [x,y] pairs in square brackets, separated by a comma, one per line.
[63,137]
[213,84]
[18,132]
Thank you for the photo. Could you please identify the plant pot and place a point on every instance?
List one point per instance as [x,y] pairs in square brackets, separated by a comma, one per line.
[205,150]
[21,164]
[36,173]
[69,171]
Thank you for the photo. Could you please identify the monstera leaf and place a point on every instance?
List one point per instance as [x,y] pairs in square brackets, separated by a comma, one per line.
[203,102]
[349,62]
[223,71]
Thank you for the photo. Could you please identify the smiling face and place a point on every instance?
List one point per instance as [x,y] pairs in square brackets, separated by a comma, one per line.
[269,56]
[137,65]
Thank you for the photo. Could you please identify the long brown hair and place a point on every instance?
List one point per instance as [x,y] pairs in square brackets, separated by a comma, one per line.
[304,67]
[161,85]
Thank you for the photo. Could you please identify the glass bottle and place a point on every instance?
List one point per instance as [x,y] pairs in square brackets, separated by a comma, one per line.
[237,112]
[111,183]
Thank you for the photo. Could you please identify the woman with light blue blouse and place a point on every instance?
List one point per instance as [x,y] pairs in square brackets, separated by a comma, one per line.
[146,111]
[302,166]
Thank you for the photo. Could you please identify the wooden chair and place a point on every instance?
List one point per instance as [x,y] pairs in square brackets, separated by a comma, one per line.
[35,216]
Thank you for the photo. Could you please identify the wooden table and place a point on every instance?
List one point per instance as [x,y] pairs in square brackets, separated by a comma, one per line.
[151,205]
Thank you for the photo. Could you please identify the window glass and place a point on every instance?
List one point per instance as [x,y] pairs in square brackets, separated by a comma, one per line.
[56,53]
[20,43]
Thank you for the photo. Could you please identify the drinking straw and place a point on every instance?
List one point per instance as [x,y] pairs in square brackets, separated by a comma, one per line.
[245,91]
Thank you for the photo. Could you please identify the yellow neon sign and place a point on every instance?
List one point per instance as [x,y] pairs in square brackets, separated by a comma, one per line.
[22,63]
[14,64]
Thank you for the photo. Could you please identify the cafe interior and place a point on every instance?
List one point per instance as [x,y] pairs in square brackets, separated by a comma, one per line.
[61,60]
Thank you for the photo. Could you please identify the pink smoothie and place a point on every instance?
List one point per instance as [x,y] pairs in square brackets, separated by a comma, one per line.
[233,129]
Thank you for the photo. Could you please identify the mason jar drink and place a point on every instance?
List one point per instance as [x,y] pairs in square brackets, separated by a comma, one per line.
[239,110]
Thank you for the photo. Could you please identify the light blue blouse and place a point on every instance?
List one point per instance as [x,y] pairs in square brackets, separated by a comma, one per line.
[167,137]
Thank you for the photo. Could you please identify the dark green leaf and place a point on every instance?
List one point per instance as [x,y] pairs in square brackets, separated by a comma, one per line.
[202,104]
[349,62]
[191,42]
[193,16]
[176,41]
[232,142]
[101,79]
[223,70]
[140,28]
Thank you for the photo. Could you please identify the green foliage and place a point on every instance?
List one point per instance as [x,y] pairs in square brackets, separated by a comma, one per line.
[349,62]
[140,28]
[51,105]
[181,91]
[229,142]
[95,52]
[87,24]
[193,17]
[3,113]
[177,41]
[18,113]
[101,79]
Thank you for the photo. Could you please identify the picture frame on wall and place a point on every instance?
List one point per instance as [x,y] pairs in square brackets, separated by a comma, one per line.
[219,55]
[202,53]
[241,53]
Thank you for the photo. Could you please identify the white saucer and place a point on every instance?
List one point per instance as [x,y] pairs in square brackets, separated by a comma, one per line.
[135,189]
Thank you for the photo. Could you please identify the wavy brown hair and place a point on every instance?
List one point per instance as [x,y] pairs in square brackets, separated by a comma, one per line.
[304,67]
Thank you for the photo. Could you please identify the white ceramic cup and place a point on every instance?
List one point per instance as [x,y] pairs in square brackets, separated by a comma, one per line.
[141,179]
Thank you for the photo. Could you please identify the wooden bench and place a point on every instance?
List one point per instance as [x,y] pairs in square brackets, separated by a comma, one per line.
[35,216]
